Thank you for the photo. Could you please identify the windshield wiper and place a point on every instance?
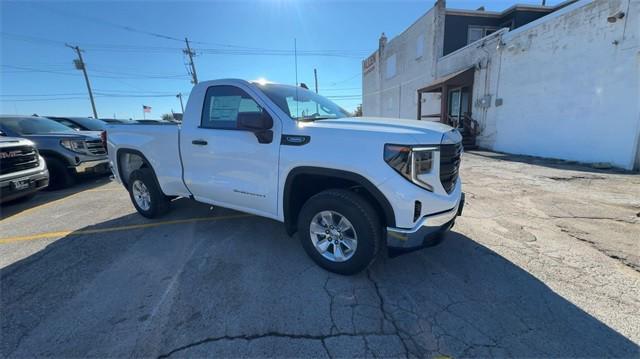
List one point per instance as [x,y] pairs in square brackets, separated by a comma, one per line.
[306,119]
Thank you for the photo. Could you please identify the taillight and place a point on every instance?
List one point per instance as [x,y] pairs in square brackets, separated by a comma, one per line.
[103,136]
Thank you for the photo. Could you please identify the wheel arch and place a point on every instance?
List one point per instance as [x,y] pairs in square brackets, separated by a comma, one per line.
[326,178]
[53,154]
[124,176]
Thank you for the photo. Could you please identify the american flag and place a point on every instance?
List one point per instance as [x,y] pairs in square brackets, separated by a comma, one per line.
[146,108]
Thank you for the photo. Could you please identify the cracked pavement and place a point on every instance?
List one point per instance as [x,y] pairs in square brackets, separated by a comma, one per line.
[544,263]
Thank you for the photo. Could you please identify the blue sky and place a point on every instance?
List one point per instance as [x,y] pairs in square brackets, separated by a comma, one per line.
[133,53]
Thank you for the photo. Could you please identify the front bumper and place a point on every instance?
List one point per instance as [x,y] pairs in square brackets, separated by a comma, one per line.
[34,182]
[426,233]
[97,166]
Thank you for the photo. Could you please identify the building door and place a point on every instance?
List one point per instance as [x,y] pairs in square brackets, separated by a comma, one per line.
[458,106]
[454,111]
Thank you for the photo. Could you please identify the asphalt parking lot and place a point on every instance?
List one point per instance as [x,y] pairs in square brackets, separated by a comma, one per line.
[544,263]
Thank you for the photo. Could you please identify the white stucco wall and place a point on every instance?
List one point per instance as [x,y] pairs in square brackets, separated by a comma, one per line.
[483,56]
[568,82]
[568,90]
[396,96]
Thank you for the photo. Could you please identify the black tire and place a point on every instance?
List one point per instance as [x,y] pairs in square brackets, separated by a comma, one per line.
[158,202]
[59,175]
[365,222]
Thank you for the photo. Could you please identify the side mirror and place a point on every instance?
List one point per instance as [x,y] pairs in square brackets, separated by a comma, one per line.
[255,121]
[260,123]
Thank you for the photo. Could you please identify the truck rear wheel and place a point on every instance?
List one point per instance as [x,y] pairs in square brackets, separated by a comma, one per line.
[340,231]
[146,195]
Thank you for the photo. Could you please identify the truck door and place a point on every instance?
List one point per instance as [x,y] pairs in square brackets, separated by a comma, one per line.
[226,165]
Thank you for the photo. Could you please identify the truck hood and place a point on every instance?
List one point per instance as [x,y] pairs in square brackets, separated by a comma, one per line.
[79,135]
[14,141]
[423,132]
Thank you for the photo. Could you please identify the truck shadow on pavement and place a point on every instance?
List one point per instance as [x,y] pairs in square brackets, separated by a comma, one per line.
[241,287]
[45,196]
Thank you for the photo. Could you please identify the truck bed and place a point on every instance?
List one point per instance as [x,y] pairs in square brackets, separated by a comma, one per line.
[159,144]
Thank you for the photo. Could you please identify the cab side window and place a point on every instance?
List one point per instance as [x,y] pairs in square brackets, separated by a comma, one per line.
[222,104]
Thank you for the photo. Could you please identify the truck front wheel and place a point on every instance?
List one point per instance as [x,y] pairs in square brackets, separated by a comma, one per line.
[340,231]
[145,194]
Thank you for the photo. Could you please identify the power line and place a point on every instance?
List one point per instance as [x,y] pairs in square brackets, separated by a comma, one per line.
[43,99]
[235,51]
[96,94]
[29,69]
[43,95]
[94,20]
[346,80]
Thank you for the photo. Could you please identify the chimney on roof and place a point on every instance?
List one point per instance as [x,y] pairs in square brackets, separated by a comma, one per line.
[441,4]
[382,42]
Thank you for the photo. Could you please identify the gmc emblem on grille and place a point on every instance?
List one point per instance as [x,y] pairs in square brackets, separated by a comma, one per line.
[10,154]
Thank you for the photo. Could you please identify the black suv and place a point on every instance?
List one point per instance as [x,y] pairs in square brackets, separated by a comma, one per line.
[68,153]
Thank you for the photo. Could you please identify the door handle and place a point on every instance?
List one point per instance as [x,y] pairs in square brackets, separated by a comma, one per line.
[199,142]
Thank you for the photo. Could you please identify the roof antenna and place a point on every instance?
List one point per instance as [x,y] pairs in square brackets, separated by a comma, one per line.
[295,56]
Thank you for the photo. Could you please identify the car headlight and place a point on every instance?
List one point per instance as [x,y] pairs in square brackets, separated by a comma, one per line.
[75,145]
[411,162]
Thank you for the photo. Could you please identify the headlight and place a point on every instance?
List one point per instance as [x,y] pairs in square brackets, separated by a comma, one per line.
[411,162]
[75,146]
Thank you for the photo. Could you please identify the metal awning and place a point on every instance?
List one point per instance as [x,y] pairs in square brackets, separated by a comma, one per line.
[456,79]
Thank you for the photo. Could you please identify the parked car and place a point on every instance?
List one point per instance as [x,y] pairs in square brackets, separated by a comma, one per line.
[151,121]
[115,121]
[348,186]
[68,153]
[23,172]
[81,123]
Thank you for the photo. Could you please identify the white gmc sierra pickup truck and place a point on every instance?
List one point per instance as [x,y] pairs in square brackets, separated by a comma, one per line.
[347,185]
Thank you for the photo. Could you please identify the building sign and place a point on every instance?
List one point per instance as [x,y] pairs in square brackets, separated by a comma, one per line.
[369,64]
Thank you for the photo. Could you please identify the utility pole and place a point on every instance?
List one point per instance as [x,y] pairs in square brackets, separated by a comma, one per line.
[190,53]
[179,96]
[80,65]
[315,75]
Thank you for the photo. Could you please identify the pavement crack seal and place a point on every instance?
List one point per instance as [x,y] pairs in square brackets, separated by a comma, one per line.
[596,218]
[387,316]
[607,253]
[334,327]
[251,337]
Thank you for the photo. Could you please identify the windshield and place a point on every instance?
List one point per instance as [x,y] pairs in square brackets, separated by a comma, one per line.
[302,104]
[90,123]
[33,125]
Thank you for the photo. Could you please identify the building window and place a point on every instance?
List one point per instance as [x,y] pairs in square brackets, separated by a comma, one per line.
[419,46]
[476,33]
[391,66]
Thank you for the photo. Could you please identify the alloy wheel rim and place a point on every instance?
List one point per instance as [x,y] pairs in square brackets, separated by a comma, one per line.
[141,195]
[333,236]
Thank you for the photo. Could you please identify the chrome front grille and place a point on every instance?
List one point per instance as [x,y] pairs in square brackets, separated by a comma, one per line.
[450,165]
[96,147]
[18,158]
